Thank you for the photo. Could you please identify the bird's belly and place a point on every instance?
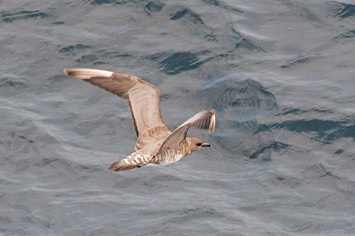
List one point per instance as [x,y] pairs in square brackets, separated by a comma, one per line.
[165,160]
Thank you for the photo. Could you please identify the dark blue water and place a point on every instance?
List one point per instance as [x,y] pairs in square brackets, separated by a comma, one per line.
[280,75]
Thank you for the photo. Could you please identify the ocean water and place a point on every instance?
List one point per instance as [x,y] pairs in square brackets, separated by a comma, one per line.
[280,75]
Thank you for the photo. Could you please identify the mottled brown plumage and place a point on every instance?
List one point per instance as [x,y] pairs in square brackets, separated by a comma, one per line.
[156,144]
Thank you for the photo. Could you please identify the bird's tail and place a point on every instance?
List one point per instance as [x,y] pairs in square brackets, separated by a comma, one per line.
[121,165]
[135,160]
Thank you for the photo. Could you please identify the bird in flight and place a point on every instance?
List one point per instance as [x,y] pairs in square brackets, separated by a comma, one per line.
[156,144]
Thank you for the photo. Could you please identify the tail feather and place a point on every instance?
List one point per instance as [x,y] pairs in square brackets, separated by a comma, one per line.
[121,165]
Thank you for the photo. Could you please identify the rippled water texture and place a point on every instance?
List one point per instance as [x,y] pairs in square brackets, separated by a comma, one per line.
[280,75]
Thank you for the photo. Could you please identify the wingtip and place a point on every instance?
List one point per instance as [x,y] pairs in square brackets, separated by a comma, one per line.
[67,71]
[205,119]
[86,73]
[212,121]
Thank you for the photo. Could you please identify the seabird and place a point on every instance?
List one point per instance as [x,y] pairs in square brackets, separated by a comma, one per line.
[156,143]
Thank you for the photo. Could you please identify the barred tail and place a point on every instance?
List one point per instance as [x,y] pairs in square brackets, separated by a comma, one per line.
[132,161]
[121,165]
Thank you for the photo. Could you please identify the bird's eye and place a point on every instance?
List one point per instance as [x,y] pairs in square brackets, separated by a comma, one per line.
[199,144]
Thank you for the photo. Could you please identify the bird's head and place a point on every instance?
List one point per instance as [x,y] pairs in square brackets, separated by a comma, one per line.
[196,144]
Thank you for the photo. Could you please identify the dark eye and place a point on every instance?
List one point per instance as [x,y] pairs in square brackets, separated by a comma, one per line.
[199,144]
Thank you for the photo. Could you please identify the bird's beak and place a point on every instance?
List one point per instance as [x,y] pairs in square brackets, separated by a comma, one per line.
[205,145]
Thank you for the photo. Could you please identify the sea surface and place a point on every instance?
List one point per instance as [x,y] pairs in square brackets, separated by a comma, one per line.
[279,73]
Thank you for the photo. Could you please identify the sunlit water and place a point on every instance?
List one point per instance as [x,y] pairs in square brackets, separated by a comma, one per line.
[280,75]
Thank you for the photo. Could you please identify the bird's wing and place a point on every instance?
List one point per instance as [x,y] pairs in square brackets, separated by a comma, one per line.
[202,120]
[142,99]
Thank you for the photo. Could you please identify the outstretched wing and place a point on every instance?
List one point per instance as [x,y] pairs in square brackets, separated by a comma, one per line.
[202,120]
[142,99]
